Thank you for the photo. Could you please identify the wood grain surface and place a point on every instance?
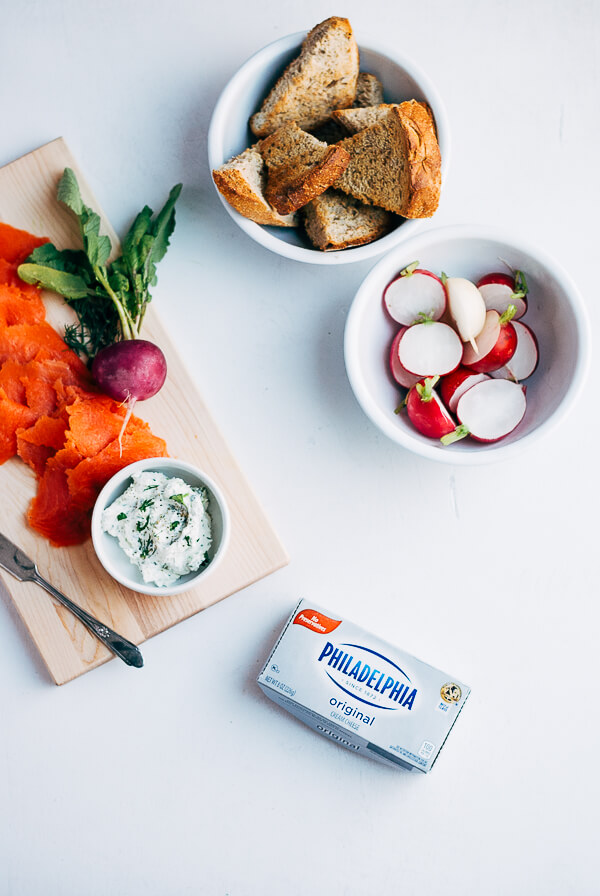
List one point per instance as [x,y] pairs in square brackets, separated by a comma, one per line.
[177,413]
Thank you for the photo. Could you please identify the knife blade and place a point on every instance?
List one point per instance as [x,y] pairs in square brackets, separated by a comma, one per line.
[19,565]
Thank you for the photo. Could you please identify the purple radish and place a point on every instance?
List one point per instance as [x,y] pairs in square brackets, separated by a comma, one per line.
[525,359]
[489,411]
[400,374]
[130,371]
[429,349]
[501,290]
[415,293]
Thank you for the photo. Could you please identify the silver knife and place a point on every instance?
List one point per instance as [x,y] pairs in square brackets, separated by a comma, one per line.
[18,564]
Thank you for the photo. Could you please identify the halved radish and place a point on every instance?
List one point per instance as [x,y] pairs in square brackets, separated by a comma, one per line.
[430,348]
[466,307]
[496,343]
[415,293]
[526,356]
[501,290]
[400,374]
[455,384]
[426,410]
[489,411]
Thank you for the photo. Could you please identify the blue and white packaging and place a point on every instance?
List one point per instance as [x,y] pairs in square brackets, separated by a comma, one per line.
[360,691]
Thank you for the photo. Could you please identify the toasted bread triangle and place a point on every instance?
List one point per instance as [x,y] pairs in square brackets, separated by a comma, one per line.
[322,78]
[396,164]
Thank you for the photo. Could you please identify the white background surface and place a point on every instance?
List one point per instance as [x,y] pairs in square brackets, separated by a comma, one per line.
[183,778]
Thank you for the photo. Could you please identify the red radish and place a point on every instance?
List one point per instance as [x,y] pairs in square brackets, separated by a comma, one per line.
[526,356]
[489,411]
[130,371]
[496,344]
[430,348]
[426,411]
[415,293]
[466,307]
[400,374]
[455,384]
[501,290]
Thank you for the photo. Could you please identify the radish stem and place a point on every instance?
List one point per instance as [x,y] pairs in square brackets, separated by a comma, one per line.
[461,432]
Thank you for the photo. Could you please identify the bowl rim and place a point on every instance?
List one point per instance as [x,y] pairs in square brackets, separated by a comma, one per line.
[154,464]
[262,235]
[494,451]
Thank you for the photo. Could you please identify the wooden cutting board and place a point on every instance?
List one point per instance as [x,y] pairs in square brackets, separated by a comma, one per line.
[177,413]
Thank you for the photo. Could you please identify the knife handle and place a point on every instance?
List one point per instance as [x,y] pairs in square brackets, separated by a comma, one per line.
[120,646]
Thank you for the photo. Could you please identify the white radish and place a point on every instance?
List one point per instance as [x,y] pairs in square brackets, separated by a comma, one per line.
[399,372]
[489,411]
[525,359]
[467,308]
[498,295]
[430,349]
[500,290]
[415,294]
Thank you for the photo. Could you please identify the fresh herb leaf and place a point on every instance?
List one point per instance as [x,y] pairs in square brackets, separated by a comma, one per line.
[179,498]
[71,286]
[146,503]
[174,524]
[122,516]
[68,192]
[146,547]
[110,299]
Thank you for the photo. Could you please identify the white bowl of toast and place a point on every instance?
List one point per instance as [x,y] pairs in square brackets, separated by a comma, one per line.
[323,161]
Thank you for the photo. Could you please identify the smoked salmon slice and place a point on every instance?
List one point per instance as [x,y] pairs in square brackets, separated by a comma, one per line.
[51,413]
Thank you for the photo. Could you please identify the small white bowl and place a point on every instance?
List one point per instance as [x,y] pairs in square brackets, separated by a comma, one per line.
[113,558]
[556,314]
[229,135]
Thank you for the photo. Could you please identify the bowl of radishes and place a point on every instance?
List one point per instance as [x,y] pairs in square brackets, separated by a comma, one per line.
[465,344]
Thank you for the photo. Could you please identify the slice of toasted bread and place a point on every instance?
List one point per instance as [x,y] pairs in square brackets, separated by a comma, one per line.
[300,167]
[369,90]
[396,164]
[241,182]
[355,120]
[322,78]
[336,221]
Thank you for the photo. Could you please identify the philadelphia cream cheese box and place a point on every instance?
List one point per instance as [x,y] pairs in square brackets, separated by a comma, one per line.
[360,691]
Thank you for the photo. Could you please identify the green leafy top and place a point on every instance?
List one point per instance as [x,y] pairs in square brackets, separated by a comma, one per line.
[110,299]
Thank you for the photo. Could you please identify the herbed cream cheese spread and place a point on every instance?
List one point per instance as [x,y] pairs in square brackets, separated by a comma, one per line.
[163,526]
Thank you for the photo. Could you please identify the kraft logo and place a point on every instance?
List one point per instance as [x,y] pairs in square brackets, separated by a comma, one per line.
[356,669]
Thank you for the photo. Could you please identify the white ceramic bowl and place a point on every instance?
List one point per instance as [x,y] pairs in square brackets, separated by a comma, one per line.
[229,134]
[113,558]
[556,314]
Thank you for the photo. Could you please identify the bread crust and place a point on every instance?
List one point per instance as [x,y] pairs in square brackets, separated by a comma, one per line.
[235,187]
[424,158]
[287,191]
